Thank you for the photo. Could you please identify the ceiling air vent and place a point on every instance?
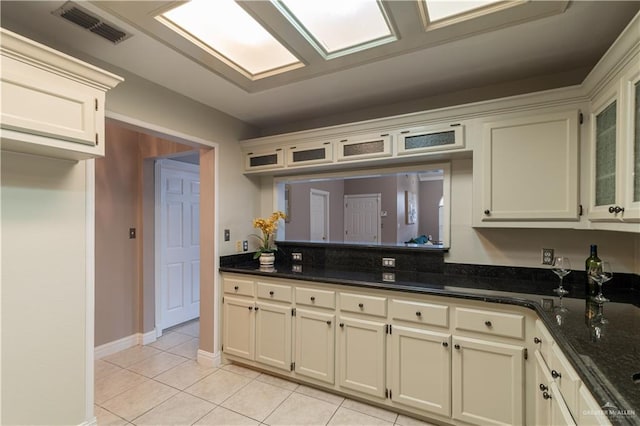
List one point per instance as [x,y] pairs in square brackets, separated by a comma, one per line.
[82,17]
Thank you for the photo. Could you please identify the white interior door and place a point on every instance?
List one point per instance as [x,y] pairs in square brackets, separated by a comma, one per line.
[362,218]
[319,215]
[178,235]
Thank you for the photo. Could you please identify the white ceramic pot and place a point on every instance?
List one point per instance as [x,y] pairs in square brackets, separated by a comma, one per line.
[267,259]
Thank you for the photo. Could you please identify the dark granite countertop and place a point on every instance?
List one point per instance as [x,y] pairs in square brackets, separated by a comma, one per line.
[607,358]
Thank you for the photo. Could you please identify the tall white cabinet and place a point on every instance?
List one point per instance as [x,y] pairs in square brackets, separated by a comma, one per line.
[52,106]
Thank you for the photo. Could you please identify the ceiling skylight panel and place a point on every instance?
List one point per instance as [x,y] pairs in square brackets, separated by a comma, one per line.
[334,26]
[442,9]
[227,29]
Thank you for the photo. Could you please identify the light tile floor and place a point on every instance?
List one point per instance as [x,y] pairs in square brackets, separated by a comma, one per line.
[162,384]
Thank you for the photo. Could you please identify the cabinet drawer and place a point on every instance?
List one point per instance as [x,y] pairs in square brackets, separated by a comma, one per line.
[313,297]
[239,287]
[489,322]
[278,292]
[369,305]
[566,377]
[422,313]
[544,340]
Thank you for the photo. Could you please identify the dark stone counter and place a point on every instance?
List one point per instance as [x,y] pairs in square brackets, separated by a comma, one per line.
[607,357]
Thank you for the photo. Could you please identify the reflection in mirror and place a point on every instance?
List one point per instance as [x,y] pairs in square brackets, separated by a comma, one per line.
[399,207]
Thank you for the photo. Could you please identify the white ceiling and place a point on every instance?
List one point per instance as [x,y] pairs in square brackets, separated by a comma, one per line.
[549,46]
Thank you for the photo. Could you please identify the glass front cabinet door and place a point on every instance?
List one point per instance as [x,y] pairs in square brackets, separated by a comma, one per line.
[615,153]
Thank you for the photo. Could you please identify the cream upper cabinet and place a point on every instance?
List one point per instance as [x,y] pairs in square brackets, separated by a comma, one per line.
[529,169]
[423,139]
[52,104]
[264,159]
[420,364]
[310,153]
[488,382]
[615,152]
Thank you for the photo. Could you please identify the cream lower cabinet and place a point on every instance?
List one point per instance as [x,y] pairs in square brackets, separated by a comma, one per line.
[550,407]
[488,382]
[362,355]
[449,360]
[420,367]
[273,335]
[239,327]
[315,344]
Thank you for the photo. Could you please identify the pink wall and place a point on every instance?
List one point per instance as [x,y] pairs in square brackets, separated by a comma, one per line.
[430,193]
[297,229]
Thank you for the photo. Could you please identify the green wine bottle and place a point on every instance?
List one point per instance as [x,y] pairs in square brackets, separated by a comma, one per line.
[590,285]
[590,288]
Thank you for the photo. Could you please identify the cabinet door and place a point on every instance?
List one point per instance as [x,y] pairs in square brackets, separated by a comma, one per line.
[273,335]
[488,382]
[40,102]
[530,168]
[238,328]
[315,345]
[361,351]
[310,153]
[541,389]
[264,159]
[560,414]
[631,153]
[421,369]
[605,188]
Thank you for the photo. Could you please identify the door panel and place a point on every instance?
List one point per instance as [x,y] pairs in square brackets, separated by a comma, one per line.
[273,335]
[238,327]
[362,218]
[362,355]
[421,369]
[179,239]
[488,382]
[315,345]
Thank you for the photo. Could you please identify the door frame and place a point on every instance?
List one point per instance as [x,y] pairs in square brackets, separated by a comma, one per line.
[327,212]
[159,253]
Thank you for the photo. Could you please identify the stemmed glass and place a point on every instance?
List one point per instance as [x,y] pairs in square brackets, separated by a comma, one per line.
[600,272]
[561,266]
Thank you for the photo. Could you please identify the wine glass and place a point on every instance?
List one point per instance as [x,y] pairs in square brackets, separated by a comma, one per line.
[600,272]
[561,266]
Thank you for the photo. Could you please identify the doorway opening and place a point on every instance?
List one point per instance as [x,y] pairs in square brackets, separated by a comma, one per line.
[127,294]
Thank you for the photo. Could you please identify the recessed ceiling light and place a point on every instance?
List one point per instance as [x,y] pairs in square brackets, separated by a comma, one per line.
[230,33]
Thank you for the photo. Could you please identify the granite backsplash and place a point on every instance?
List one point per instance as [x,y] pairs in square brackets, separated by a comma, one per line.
[430,260]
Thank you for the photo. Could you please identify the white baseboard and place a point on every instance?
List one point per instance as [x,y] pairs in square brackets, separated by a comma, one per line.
[209,359]
[124,343]
[148,337]
[92,422]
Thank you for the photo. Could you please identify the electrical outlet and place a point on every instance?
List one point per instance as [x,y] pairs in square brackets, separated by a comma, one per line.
[389,277]
[245,245]
[389,262]
[547,256]
[296,257]
[238,246]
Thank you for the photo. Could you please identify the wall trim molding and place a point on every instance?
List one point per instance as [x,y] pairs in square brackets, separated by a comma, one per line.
[209,359]
[91,422]
[124,343]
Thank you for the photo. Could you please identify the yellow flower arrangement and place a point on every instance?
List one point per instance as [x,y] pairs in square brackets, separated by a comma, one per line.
[268,228]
